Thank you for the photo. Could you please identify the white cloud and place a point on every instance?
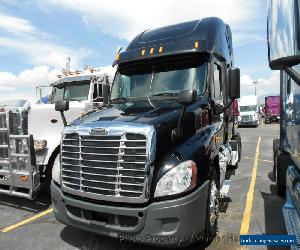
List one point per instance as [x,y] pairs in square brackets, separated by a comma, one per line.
[15,25]
[264,87]
[125,19]
[44,53]
[35,45]
[28,78]
[28,42]
[31,78]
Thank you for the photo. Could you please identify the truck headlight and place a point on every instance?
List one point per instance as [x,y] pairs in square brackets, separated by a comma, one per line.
[179,179]
[40,145]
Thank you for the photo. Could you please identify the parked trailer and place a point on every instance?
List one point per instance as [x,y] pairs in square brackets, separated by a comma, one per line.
[272,109]
[150,166]
[30,139]
[284,55]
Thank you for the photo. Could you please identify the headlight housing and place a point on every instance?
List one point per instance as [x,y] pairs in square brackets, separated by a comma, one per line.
[179,179]
[40,145]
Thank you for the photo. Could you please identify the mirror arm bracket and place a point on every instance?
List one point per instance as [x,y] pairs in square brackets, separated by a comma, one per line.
[63,118]
[177,133]
[293,74]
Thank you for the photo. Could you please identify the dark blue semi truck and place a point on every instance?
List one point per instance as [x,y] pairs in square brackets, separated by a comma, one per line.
[150,165]
[284,55]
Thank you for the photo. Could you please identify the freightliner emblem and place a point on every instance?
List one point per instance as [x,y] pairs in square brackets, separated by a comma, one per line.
[98,131]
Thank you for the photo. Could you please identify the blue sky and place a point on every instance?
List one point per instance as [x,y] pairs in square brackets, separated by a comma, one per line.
[37,36]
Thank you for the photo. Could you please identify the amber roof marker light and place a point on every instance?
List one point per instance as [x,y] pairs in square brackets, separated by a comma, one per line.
[161,49]
[118,54]
[151,51]
[196,45]
[143,52]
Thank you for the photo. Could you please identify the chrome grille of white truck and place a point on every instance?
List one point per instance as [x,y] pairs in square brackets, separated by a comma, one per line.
[246,118]
[104,165]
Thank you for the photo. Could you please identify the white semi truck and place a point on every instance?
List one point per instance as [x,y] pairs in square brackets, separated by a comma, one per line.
[30,138]
[249,111]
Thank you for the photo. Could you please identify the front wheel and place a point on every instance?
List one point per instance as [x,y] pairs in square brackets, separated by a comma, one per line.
[212,212]
[283,162]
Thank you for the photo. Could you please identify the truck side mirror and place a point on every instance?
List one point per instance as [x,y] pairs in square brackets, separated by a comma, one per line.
[186,97]
[62,106]
[105,93]
[233,90]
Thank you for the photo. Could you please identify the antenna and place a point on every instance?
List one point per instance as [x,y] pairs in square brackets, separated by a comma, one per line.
[119,49]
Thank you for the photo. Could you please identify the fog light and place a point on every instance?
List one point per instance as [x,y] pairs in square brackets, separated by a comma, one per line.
[24,178]
[40,145]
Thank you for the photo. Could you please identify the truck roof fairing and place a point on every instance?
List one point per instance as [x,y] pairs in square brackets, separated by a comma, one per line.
[210,35]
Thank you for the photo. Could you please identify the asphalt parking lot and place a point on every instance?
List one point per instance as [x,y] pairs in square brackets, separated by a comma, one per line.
[252,207]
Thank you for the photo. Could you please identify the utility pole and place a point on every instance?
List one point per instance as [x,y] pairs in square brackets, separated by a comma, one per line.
[255,83]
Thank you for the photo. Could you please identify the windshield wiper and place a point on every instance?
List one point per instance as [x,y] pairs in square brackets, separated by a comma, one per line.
[122,99]
[166,94]
[73,99]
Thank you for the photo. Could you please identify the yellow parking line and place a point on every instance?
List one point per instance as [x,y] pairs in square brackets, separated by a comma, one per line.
[21,223]
[251,158]
[249,202]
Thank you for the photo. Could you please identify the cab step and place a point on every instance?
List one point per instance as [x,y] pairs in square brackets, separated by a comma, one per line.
[225,188]
[292,224]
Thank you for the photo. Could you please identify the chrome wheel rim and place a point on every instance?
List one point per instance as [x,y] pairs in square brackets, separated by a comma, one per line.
[214,203]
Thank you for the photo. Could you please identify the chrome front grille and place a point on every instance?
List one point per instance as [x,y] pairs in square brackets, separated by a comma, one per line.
[246,118]
[104,166]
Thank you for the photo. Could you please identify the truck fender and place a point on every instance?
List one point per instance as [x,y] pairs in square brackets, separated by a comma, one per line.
[49,166]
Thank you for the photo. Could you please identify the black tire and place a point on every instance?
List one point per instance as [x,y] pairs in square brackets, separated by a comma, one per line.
[211,229]
[280,187]
[275,155]
[283,161]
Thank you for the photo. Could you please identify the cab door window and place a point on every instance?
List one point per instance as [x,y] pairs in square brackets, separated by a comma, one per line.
[97,92]
[217,91]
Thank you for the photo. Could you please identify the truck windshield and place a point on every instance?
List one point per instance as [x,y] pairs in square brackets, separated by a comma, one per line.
[78,91]
[164,78]
[248,108]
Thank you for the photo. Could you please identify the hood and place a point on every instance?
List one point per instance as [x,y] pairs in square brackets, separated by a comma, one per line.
[138,112]
[164,118]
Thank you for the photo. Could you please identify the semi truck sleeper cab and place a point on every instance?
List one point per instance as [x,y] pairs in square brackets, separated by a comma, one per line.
[149,166]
